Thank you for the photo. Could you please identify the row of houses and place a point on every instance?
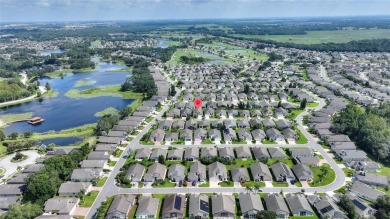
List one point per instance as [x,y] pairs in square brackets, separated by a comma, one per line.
[224,206]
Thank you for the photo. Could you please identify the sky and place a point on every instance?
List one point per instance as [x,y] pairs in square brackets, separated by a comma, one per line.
[92,10]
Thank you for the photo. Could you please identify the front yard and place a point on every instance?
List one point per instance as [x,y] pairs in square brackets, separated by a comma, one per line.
[89,199]
[323,175]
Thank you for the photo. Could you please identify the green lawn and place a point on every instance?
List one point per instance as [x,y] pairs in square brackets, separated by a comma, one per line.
[107,111]
[84,82]
[283,184]
[3,149]
[226,184]
[385,170]
[295,113]
[253,184]
[2,171]
[349,172]
[206,184]
[287,161]
[207,141]
[112,163]
[265,141]
[101,182]
[109,90]
[302,138]
[306,217]
[89,199]
[317,37]
[313,104]
[319,178]
[166,184]
[15,117]
[117,153]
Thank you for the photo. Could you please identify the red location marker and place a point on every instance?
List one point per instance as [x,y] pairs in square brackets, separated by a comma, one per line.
[197,103]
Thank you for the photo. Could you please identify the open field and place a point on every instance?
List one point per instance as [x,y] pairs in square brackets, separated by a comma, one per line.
[188,52]
[317,37]
[108,111]
[83,82]
[8,118]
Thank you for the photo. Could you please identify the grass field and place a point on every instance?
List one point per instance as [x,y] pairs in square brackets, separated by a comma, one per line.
[101,182]
[15,117]
[108,111]
[302,138]
[190,53]
[83,82]
[319,179]
[317,37]
[89,199]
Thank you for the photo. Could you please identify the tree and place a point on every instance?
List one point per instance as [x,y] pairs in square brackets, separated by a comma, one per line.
[382,204]
[42,186]
[346,204]
[303,103]
[48,87]
[161,159]
[246,89]
[172,90]
[27,134]
[280,104]
[266,215]
[2,135]
[18,156]
[13,135]
[23,211]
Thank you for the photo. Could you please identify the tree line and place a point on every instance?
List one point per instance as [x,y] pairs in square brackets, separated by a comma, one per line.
[368,126]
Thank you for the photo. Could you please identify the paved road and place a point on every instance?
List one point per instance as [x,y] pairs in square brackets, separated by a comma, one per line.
[11,168]
[110,189]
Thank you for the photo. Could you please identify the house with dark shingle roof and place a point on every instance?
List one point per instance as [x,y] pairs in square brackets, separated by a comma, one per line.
[147,207]
[373,179]
[243,152]
[260,152]
[217,172]
[282,172]
[364,191]
[250,204]
[226,152]
[298,204]
[155,172]
[176,172]
[302,172]
[274,135]
[198,206]
[260,172]
[197,172]
[275,202]
[135,172]
[326,207]
[173,206]
[120,206]
[276,153]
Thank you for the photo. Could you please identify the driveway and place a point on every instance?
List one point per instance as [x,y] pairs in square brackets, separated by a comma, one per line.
[11,168]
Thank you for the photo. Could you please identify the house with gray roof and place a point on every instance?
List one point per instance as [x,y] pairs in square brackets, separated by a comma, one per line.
[178,124]
[98,155]
[217,172]
[32,168]
[165,124]
[155,172]
[110,148]
[7,202]
[120,206]
[298,204]
[223,206]
[176,154]
[243,123]
[243,152]
[276,153]
[258,135]
[250,204]
[171,137]
[364,191]
[301,152]
[226,152]
[310,161]
[117,134]
[156,153]
[135,172]
[274,135]
[74,188]
[268,123]
[215,135]
[275,202]
[255,123]
[282,124]
[239,174]
[282,172]
[260,152]
[229,135]
[186,135]
[147,207]
[157,136]
[197,172]
[351,155]
[366,166]
[85,175]
[8,190]
[290,134]
[244,135]
[143,153]
[326,207]
[93,164]
[208,152]
[260,172]
[18,178]
[302,172]
[191,153]
[61,206]
[176,173]
[198,206]
[109,140]
[363,209]
[173,206]
[373,179]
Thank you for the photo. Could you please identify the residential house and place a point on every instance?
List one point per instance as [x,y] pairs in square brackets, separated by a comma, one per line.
[239,174]
[275,202]
[208,152]
[258,135]
[223,206]
[351,155]
[61,206]
[143,153]
[299,206]
[373,179]
[176,172]
[260,153]
[282,172]
[302,172]
[250,204]
[191,154]
[186,135]
[364,191]
[301,152]
[176,154]
[229,135]
[198,206]
[135,172]
[197,172]
[98,155]
[86,175]
[157,136]
[156,153]
[243,152]
[109,148]
[274,135]
[366,166]
[74,188]
[217,172]
[120,207]
[260,172]
[173,206]
[363,209]
[9,190]
[326,207]
[226,153]
[244,135]
[147,207]
[277,153]
[290,135]
[155,172]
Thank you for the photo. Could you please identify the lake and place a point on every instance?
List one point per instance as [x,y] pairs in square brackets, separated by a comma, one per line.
[61,112]
[49,52]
